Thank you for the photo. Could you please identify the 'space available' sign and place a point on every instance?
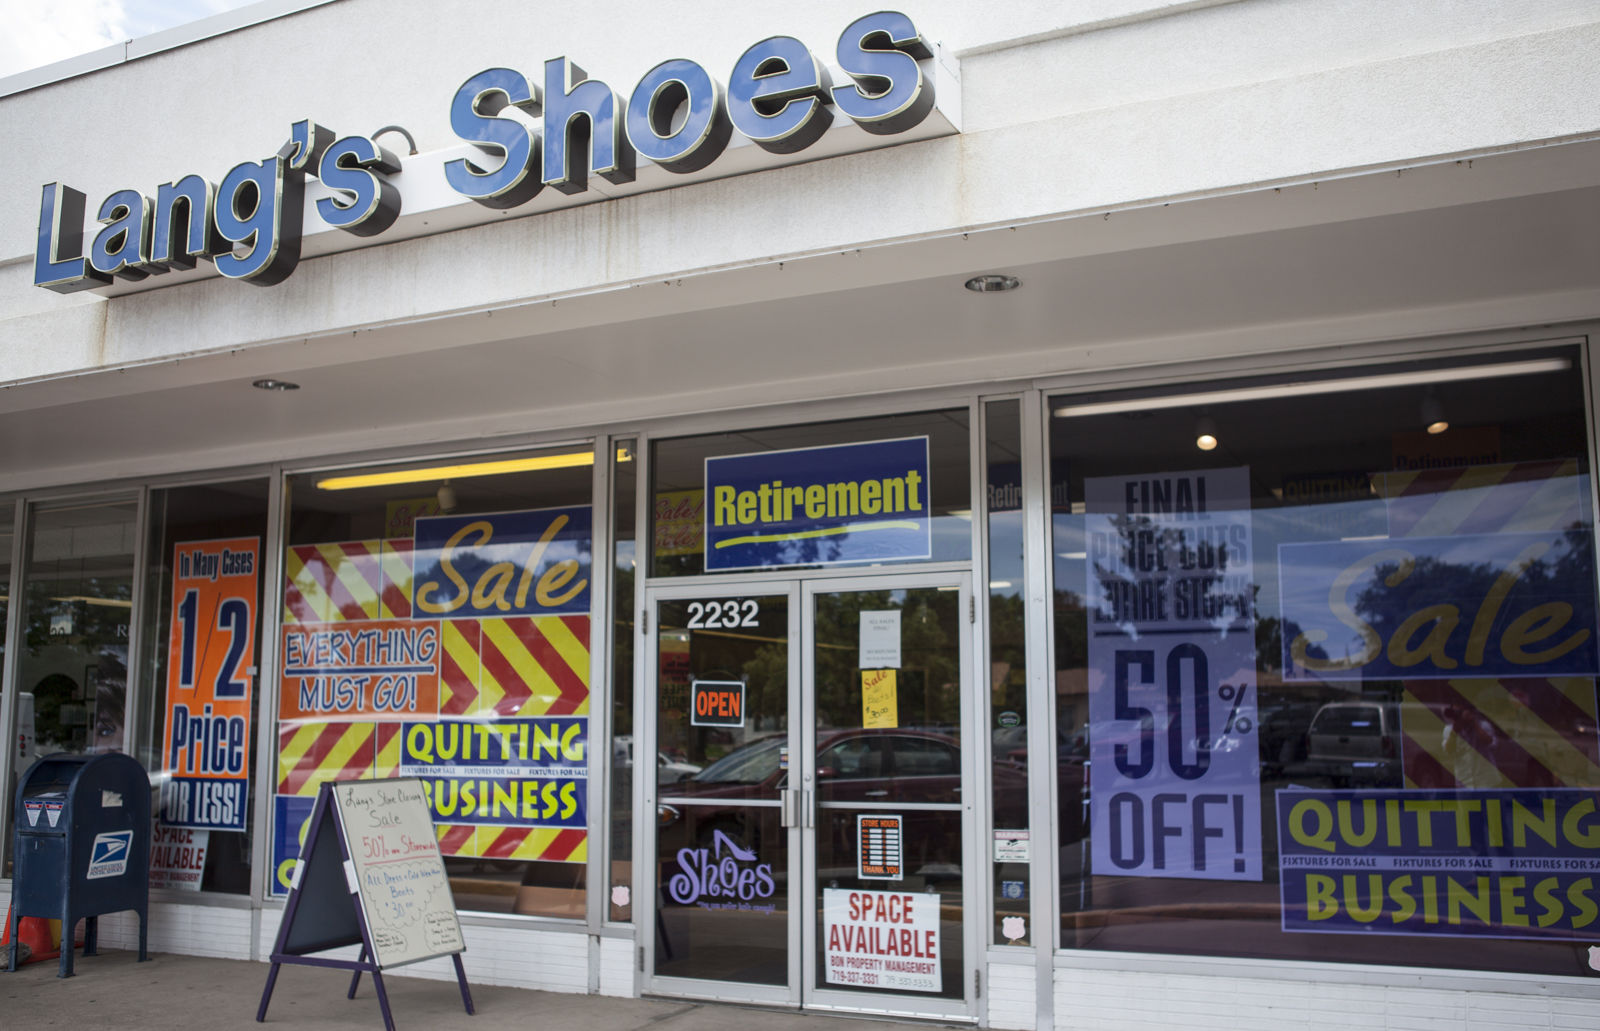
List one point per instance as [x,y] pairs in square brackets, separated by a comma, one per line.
[249,225]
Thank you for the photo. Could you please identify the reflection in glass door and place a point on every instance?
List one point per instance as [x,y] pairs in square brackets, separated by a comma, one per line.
[811,842]
[885,730]
[724,812]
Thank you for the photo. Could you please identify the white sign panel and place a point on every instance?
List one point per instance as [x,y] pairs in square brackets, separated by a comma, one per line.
[1172,676]
[177,857]
[882,939]
[397,871]
[880,639]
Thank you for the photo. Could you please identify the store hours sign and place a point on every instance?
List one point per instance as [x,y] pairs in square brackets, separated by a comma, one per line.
[777,96]
[1172,698]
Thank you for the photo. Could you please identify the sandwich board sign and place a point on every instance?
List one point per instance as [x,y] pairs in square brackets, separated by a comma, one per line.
[370,874]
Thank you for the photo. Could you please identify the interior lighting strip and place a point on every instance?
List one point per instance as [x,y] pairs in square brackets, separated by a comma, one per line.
[1328,386]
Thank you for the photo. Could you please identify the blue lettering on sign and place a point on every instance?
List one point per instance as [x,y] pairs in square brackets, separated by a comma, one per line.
[778,95]
[819,506]
[533,563]
[724,873]
[1483,605]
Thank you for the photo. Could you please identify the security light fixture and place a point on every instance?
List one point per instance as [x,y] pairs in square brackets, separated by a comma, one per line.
[993,284]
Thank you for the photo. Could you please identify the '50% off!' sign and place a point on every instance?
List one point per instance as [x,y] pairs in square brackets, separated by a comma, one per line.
[1174,769]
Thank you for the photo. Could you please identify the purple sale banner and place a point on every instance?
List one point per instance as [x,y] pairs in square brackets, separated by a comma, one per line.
[1174,776]
[1517,863]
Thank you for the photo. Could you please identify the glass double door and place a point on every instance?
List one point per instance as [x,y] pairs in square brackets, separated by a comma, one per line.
[812,842]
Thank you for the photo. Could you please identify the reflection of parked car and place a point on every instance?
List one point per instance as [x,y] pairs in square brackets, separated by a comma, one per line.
[1355,744]
[668,770]
[887,767]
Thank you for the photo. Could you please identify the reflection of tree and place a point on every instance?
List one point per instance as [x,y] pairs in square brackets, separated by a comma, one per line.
[1454,590]
[766,689]
[1178,559]
[928,682]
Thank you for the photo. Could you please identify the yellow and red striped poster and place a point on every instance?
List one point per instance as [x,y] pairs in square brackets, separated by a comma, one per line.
[482,691]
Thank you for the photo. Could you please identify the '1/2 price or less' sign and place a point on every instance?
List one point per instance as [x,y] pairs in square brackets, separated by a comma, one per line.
[210,667]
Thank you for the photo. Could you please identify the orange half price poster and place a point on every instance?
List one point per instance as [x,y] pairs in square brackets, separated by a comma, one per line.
[210,673]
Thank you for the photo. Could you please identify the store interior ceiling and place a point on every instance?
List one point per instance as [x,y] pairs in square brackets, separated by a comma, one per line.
[1502,242]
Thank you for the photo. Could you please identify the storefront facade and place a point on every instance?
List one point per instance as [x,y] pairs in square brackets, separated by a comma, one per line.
[1088,513]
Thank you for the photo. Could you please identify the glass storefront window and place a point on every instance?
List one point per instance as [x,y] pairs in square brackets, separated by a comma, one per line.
[850,456]
[624,497]
[436,623]
[72,651]
[200,648]
[1008,674]
[1326,659]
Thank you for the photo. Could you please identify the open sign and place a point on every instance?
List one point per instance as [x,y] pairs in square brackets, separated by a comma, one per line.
[717,703]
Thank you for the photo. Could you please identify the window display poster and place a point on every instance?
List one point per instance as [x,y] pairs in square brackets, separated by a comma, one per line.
[1172,690]
[882,939]
[1472,605]
[210,670]
[490,713]
[866,502]
[1513,863]
[880,639]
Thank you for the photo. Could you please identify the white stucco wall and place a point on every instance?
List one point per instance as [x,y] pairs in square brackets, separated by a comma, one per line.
[1066,109]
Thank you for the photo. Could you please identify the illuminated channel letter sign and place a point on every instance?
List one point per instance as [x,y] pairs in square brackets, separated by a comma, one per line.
[819,506]
[778,96]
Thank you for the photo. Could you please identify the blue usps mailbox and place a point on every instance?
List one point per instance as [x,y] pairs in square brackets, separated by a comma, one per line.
[82,846]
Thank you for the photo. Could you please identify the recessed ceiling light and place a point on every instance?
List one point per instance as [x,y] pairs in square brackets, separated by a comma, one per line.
[274,384]
[991,284]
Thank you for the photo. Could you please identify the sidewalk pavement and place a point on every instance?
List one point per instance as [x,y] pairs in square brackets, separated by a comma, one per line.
[191,993]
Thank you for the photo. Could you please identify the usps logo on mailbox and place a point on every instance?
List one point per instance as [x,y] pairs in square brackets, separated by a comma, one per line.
[109,855]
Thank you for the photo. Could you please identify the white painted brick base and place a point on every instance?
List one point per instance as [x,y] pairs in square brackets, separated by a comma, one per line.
[1093,1000]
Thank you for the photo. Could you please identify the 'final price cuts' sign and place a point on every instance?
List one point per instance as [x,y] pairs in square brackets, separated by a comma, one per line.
[882,939]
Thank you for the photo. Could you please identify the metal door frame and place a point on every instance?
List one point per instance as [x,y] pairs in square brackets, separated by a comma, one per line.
[974,868]
[646,868]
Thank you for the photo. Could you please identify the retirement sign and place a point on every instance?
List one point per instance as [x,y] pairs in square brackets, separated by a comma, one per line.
[818,506]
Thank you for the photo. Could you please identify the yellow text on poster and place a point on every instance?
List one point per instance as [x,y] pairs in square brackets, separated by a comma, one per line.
[880,704]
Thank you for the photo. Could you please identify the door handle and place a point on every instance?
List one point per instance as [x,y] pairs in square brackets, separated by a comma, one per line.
[789,799]
[880,793]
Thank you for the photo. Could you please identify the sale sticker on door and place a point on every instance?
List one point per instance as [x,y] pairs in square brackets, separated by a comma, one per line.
[1172,683]
[210,671]
[882,939]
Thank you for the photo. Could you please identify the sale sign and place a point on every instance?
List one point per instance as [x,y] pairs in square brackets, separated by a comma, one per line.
[1174,775]
[210,670]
